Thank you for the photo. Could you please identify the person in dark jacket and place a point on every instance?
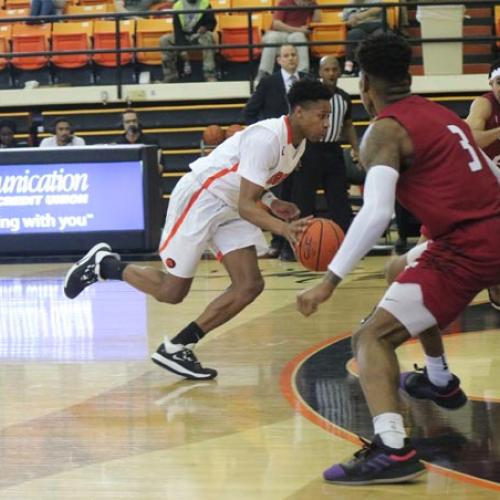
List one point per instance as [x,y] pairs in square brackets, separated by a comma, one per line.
[270,101]
[8,130]
[194,28]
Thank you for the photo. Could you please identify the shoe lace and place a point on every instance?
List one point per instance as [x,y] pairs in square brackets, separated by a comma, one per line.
[188,355]
[365,450]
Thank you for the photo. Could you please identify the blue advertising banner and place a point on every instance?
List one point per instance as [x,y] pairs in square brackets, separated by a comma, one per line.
[71,197]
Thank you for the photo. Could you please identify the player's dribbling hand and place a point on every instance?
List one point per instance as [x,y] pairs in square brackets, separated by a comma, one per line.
[293,230]
[285,210]
[309,300]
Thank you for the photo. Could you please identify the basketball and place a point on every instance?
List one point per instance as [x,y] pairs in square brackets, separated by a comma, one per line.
[318,244]
[213,135]
[232,129]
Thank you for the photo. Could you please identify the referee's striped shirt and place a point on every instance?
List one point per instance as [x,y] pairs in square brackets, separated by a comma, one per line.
[341,110]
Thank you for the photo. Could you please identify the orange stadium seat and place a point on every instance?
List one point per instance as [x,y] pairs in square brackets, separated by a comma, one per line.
[15,13]
[329,28]
[26,38]
[105,38]
[71,36]
[267,17]
[97,2]
[17,4]
[497,23]
[148,33]
[89,9]
[392,16]
[234,30]
[3,48]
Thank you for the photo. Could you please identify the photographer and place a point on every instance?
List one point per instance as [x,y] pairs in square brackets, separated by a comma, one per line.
[63,135]
[133,132]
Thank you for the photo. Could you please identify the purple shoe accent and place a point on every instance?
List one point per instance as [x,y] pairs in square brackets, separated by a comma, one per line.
[334,473]
[377,463]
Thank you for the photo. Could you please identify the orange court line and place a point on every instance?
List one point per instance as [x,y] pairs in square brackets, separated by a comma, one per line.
[289,390]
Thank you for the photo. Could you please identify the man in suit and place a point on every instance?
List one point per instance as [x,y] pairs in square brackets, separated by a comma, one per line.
[270,101]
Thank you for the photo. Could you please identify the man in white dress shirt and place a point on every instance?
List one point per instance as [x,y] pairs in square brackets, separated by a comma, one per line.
[220,205]
[63,135]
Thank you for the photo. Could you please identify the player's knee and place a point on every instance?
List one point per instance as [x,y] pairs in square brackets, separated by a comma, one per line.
[250,290]
[393,267]
[168,294]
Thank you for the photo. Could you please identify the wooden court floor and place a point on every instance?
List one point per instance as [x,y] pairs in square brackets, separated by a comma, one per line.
[84,414]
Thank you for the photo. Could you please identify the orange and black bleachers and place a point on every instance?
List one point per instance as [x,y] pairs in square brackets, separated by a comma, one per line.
[234,63]
[178,128]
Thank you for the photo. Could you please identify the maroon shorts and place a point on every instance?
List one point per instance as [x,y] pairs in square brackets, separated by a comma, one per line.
[456,267]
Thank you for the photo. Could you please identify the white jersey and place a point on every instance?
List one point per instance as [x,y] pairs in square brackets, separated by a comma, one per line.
[263,154]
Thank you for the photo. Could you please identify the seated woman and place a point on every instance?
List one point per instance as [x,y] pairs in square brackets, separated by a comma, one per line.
[362,21]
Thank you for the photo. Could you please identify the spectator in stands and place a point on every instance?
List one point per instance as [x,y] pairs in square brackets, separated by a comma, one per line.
[322,165]
[270,98]
[362,21]
[8,129]
[133,132]
[63,135]
[289,26]
[194,28]
[270,101]
[134,5]
[484,116]
[42,8]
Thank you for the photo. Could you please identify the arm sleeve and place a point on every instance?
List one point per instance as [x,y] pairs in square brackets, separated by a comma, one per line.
[259,152]
[371,221]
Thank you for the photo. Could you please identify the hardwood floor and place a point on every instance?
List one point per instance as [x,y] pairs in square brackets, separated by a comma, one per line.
[85,414]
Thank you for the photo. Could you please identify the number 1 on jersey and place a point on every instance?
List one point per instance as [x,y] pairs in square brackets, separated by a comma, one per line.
[475,164]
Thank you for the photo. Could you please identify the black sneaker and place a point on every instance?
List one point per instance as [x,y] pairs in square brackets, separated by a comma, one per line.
[417,385]
[377,463]
[86,270]
[181,361]
[494,303]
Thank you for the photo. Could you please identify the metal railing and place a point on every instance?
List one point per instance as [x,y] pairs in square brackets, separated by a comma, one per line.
[117,17]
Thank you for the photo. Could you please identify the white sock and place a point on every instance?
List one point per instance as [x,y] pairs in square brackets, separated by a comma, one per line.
[437,370]
[390,428]
[348,66]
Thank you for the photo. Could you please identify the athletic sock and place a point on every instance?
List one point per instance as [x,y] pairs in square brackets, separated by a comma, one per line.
[111,268]
[437,370]
[390,428]
[348,66]
[189,335]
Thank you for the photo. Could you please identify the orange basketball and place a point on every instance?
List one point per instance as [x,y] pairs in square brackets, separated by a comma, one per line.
[318,244]
[213,135]
[232,129]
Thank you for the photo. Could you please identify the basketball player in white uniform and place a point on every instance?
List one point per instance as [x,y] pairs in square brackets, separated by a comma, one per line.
[216,206]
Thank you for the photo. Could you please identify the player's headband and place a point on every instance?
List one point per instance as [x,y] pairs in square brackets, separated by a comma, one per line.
[494,74]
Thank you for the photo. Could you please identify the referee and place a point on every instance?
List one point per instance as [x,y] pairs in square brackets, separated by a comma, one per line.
[322,165]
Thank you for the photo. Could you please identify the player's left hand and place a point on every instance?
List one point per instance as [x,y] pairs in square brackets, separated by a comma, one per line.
[285,210]
[309,300]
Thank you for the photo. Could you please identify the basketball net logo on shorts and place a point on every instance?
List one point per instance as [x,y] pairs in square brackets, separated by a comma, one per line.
[170,263]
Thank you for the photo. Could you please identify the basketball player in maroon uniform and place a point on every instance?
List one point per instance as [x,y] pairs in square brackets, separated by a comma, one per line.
[424,155]
[484,121]
[484,117]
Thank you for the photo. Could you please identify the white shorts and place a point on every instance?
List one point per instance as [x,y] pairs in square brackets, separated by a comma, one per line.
[405,302]
[196,221]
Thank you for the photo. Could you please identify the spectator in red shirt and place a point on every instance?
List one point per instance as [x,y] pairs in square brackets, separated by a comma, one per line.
[289,27]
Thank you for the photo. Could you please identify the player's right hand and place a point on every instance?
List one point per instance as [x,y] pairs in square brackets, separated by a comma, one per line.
[293,230]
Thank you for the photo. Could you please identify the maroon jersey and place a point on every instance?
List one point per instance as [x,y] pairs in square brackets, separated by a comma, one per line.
[449,182]
[493,150]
